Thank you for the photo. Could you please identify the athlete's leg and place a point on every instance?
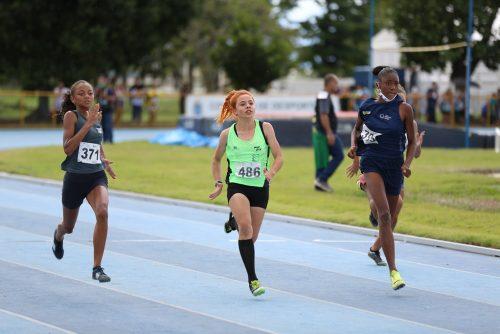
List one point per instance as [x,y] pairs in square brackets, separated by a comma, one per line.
[399,207]
[371,202]
[240,207]
[257,214]
[378,244]
[376,188]
[98,199]
[66,226]
[68,223]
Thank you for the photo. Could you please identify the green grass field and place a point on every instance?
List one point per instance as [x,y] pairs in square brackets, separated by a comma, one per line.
[451,194]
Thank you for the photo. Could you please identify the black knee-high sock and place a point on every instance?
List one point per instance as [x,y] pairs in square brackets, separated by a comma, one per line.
[247,253]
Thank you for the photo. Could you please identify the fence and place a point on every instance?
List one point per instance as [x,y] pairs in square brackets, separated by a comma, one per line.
[452,118]
[17,108]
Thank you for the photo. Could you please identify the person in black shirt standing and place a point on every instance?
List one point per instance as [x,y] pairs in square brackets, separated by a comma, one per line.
[326,127]
[432,96]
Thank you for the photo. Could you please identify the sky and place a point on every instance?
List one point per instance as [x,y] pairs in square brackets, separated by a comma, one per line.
[309,8]
[304,10]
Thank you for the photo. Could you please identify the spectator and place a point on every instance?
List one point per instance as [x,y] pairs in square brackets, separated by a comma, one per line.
[152,103]
[460,108]
[413,79]
[325,140]
[489,112]
[432,97]
[446,105]
[184,92]
[59,93]
[137,100]
[120,93]
[107,99]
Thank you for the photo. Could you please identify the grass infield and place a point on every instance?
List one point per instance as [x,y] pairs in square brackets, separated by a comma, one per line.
[451,195]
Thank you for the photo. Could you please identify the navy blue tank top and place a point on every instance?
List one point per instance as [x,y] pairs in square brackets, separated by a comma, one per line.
[383,128]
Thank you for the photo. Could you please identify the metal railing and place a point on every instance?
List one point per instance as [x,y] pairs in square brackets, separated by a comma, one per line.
[16,106]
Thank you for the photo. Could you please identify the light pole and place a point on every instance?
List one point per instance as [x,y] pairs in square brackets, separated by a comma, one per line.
[370,48]
[468,61]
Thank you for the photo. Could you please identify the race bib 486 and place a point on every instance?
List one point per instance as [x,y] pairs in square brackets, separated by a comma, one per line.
[248,170]
[89,153]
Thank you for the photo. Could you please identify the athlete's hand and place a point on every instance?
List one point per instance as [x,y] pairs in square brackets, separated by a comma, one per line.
[217,191]
[406,170]
[107,164]
[269,174]
[94,114]
[352,169]
[420,141]
[420,138]
[352,152]
[330,137]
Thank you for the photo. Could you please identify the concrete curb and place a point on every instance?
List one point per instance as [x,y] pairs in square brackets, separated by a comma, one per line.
[280,218]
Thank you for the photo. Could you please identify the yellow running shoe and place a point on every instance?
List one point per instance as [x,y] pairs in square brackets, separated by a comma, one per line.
[256,289]
[397,281]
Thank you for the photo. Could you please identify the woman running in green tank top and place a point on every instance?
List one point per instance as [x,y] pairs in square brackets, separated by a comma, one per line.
[246,144]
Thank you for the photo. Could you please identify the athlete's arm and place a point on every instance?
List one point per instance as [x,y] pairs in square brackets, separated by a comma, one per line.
[353,168]
[107,164]
[219,153]
[71,141]
[356,132]
[275,150]
[406,112]
[419,139]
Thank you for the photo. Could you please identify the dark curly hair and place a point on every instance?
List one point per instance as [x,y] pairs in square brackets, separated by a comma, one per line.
[67,104]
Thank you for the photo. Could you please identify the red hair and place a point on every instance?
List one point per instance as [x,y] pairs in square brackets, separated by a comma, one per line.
[229,105]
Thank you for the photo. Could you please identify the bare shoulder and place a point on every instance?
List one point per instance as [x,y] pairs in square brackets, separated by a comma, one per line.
[69,117]
[224,134]
[405,107]
[267,126]
[406,110]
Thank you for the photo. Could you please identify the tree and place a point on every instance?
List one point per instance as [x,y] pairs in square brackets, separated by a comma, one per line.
[446,22]
[43,42]
[235,36]
[256,50]
[338,39]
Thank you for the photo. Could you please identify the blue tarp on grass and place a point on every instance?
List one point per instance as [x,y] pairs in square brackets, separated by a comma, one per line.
[181,136]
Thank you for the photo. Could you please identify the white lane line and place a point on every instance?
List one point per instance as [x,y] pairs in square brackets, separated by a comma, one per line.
[267,235]
[270,235]
[97,285]
[306,266]
[263,240]
[230,279]
[144,240]
[342,241]
[38,322]
[423,264]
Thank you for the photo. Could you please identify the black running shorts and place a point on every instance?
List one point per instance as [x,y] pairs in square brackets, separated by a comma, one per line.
[257,196]
[77,186]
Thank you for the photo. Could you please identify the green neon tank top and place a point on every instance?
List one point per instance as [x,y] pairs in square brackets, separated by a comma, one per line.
[247,159]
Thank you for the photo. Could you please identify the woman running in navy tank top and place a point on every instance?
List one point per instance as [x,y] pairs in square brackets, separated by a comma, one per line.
[374,251]
[381,124]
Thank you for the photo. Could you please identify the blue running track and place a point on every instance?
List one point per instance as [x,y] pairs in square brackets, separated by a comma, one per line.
[174,270]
